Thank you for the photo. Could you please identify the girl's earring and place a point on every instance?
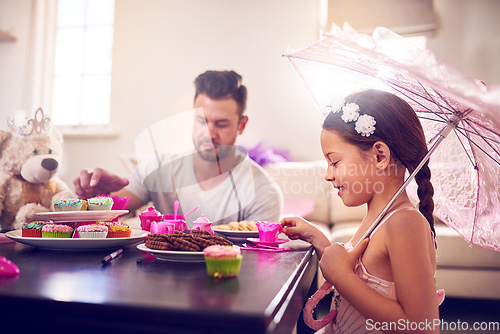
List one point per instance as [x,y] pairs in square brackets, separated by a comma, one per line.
[381,165]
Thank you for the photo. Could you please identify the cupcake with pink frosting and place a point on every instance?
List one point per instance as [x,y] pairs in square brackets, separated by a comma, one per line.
[57,231]
[222,261]
[92,231]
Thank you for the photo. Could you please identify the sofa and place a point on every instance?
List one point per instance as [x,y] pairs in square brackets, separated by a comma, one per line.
[463,270]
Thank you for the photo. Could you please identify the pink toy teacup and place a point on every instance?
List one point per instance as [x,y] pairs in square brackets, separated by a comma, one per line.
[268,231]
[120,203]
[149,215]
[203,224]
[162,227]
[179,222]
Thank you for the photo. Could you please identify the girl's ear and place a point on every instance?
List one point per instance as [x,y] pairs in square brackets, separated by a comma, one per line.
[382,153]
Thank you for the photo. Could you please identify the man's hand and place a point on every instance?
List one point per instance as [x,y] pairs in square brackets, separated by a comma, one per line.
[95,181]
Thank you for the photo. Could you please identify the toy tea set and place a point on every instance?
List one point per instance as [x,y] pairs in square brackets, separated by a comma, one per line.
[157,223]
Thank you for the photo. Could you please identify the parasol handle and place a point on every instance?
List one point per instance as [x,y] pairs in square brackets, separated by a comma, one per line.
[440,137]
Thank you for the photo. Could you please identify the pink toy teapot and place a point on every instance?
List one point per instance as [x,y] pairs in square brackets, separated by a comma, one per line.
[149,215]
[203,224]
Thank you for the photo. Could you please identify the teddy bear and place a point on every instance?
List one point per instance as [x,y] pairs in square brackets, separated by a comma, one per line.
[30,157]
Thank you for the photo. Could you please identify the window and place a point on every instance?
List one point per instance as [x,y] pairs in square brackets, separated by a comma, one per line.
[82,60]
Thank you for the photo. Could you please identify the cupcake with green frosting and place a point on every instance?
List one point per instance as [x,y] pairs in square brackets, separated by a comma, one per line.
[33,229]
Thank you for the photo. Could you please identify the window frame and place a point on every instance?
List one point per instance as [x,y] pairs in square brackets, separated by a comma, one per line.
[42,63]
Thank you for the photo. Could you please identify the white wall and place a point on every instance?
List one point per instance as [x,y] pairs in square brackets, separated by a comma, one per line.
[162,45]
[15,17]
[469,37]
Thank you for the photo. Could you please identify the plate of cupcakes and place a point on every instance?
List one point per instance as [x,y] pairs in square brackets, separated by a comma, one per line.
[98,208]
[50,235]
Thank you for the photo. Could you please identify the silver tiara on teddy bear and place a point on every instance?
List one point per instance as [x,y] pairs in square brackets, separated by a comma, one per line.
[39,126]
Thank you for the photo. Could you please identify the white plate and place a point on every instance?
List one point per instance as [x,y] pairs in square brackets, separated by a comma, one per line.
[78,243]
[232,234]
[177,256]
[82,216]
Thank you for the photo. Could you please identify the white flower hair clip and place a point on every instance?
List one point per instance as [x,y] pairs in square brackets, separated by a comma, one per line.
[365,124]
[350,112]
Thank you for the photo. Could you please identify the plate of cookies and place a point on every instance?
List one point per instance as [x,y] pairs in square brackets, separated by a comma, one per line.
[242,229]
[181,246]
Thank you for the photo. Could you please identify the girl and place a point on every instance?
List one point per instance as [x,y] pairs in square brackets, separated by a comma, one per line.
[387,282]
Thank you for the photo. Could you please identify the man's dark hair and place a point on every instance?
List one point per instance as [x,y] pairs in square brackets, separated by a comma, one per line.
[222,84]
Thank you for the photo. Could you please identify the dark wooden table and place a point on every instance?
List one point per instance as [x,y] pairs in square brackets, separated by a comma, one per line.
[71,292]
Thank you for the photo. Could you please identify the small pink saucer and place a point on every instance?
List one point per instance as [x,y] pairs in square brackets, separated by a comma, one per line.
[275,243]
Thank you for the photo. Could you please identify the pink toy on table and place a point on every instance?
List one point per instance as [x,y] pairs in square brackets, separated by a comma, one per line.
[179,222]
[268,231]
[162,227]
[149,215]
[8,268]
[203,224]
[120,203]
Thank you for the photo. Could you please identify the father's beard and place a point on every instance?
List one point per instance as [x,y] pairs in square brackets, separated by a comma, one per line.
[219,155]
[215,153]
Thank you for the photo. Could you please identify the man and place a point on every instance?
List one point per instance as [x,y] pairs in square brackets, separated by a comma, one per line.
[216,175]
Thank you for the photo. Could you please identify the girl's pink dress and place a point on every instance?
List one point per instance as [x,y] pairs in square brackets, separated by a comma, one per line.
[348,319]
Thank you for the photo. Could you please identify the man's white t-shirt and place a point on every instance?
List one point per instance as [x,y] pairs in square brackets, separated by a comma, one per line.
[246,193]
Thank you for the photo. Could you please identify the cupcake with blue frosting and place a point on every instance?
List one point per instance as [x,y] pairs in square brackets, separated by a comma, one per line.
[68,204]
